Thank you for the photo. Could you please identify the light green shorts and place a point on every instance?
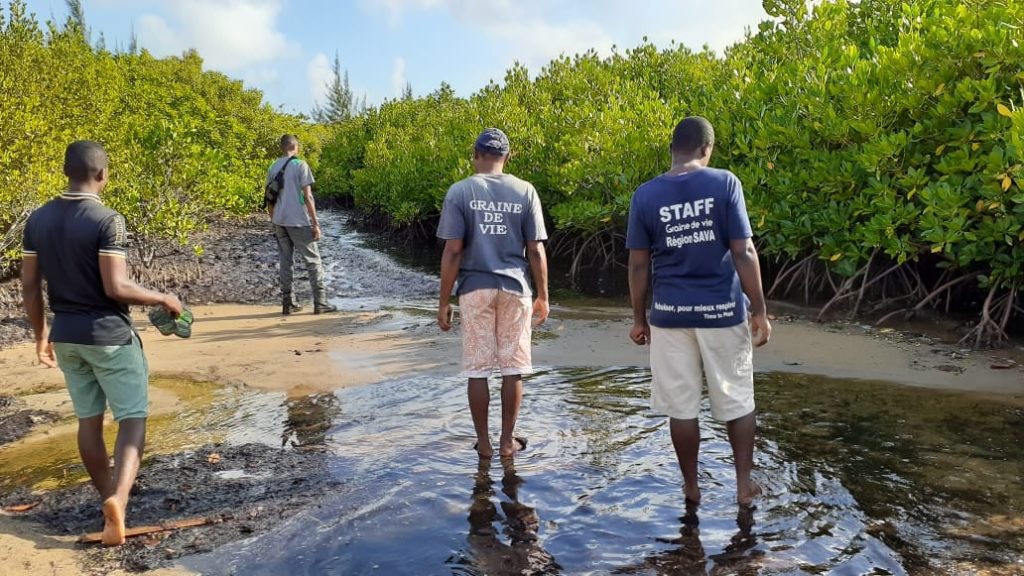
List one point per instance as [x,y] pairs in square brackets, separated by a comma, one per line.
[98,375]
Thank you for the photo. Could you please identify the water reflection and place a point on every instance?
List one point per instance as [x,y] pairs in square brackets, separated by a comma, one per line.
[309,419]
[686,555]
[488,554]
[861,479]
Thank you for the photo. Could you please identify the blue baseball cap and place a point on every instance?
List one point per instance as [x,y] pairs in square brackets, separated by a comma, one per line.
[493,141]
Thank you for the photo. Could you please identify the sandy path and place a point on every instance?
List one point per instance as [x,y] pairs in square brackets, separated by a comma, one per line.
[302,354]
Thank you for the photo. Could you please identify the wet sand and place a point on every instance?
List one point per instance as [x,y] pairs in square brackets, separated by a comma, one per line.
[303,354]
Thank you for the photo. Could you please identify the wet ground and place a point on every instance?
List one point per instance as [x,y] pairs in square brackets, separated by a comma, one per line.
[861,479]
[16,421]
[239,265]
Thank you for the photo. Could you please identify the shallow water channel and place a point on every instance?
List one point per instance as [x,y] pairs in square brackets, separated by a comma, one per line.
[861,478]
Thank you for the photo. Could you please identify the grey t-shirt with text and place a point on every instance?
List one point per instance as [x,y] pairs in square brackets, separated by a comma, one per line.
[290,208]
[495,215]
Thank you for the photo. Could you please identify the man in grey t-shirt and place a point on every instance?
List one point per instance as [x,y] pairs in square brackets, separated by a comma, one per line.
[296,226]
[493,229]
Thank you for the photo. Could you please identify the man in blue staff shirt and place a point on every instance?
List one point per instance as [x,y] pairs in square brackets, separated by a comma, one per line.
[690,227]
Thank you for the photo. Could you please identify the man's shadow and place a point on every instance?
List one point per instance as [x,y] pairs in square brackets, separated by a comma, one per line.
[518,523]
[689,557]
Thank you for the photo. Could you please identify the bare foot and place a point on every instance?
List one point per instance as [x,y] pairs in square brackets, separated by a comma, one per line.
[485,452]
[753,491]
[113,522]
[510,446]
[692,494]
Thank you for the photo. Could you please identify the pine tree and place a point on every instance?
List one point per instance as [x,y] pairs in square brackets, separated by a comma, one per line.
[76,16]
[133,43]
[340,104]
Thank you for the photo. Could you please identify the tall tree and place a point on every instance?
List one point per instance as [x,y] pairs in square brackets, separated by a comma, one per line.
[340,103]
[133,42]
[76,14]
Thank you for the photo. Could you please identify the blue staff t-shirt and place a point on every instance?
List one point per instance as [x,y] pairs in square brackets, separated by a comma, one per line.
[687,221]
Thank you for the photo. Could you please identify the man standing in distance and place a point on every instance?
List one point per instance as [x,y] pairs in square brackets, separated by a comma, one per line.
[493,229]
[296,227]
[78,246]
[693,220]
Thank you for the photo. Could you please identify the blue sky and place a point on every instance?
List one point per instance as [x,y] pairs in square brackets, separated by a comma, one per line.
[285,47]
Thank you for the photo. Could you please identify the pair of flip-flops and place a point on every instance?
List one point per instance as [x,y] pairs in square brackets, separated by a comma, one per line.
[519,439]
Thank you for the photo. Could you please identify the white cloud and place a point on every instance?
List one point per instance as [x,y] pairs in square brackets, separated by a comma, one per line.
[319,73]
[537,42]
[156,35]
[720,25]
[398,79]
[396,8]
[229,34]
[526,28]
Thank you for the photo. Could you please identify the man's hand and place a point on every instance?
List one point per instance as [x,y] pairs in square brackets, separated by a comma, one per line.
[444,316]
[172,304]
[640,334]
[316,232]
[541,309]
[44,351]
[761,329]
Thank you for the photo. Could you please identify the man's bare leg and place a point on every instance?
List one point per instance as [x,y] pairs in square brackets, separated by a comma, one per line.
[93,451]
[511,399]
[741,437]
[686,440]
[131,438]
[479,403]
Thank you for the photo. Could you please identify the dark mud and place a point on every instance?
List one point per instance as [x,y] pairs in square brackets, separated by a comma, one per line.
[243,490]
[238,264]
[16,422]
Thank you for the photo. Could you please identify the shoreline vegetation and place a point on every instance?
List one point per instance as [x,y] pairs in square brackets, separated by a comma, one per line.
[881,145]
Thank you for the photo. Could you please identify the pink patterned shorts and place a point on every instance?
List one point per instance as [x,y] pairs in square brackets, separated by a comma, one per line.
[495,333]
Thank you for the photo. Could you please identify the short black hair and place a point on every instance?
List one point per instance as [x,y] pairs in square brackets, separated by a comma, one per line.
[289,142]
[84,160]
[692,134]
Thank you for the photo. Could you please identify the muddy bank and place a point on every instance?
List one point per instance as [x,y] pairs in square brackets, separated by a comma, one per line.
[16,421]
[238,264]
[241,490]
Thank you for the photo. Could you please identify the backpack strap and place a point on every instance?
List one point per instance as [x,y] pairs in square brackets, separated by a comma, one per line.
[284,167]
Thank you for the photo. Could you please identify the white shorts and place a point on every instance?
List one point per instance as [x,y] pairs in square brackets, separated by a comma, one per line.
[682,357]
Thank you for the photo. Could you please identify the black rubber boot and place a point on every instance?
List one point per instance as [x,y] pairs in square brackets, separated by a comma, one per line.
[287,307]
[324,309]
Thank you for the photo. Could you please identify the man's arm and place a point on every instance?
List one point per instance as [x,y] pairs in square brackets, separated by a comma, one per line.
[639,286]
[538,258]
[744,257]
[119,287]
[32,297]
[307,192]
[451,260]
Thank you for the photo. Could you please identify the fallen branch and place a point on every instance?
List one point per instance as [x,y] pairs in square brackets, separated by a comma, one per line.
[95,537]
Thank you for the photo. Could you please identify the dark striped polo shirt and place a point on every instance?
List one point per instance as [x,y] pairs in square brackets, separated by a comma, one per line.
[67,236]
